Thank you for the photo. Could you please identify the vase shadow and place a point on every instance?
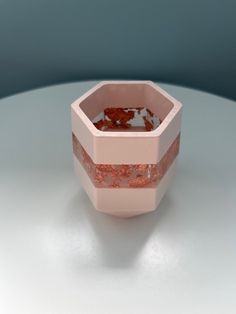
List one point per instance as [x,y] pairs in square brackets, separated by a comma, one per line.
[120,240]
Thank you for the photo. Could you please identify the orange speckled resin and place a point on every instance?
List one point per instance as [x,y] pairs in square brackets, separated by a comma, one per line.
[122,119]
[126,137]
[117,176]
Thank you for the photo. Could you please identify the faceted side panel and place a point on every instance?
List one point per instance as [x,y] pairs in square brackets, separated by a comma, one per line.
[125,176]
[138,119]
[125,202]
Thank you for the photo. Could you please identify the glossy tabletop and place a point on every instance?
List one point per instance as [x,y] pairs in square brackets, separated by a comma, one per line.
[58,255]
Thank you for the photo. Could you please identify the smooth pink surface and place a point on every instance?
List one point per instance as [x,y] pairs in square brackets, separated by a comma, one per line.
[126,147]
[126,94]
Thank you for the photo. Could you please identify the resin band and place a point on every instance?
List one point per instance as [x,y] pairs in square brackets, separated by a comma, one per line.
[125,176]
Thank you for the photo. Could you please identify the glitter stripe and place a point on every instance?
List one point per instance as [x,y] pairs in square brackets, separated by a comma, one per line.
[124,176]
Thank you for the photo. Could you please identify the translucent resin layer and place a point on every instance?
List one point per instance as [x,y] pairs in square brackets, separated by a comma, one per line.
[125,176]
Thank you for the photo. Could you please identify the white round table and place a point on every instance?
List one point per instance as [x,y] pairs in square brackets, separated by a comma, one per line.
[58,255]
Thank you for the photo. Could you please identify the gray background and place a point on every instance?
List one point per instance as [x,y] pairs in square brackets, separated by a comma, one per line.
[185,42]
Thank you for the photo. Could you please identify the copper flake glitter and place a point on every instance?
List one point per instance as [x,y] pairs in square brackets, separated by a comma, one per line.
[126,118]
[120,176]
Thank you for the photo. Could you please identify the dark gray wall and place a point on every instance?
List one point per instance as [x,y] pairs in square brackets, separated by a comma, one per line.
[186,42]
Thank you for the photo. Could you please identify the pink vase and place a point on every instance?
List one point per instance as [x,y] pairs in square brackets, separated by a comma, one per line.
[126,168]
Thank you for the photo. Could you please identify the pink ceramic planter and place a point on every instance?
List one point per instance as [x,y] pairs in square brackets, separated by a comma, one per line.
[126,172]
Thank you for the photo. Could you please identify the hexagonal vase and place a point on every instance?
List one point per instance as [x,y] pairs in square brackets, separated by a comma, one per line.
[148,158]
